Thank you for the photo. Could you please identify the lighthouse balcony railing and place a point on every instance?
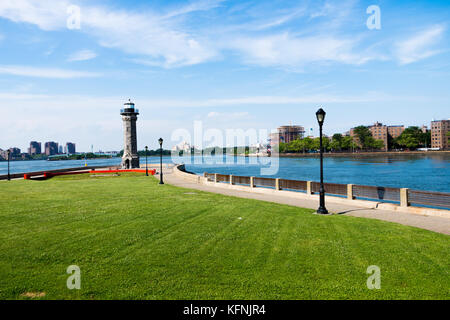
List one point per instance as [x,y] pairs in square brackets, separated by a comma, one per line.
[129,110]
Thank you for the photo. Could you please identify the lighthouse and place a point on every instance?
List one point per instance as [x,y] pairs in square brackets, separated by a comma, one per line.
[130,158]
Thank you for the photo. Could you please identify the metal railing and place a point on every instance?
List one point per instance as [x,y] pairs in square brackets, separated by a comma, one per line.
[377,193]
[439,199]
[402,196]
[293,184]
[129,110]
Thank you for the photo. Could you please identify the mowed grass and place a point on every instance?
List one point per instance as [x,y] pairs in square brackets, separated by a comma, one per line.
[135,239]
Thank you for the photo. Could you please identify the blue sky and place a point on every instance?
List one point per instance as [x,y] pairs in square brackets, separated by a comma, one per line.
[231,64]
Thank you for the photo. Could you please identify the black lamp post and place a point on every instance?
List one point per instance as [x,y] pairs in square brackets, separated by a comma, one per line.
[320,115]
[160,161]
[9,156]
[146,166]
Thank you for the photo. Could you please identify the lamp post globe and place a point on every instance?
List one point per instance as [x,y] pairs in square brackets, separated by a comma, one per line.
[320,115]
[160,140]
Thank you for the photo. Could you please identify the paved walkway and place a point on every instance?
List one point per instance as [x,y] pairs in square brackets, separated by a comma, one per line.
[437,224]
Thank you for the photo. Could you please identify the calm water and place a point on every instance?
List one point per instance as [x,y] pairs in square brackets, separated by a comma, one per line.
[421,172]
[41,165]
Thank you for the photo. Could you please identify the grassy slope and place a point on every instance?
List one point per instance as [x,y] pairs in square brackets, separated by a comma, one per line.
[134,239]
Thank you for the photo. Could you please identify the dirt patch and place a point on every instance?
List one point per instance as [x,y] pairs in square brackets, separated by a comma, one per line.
[33,294]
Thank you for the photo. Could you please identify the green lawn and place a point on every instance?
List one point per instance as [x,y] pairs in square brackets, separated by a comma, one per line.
[135,239]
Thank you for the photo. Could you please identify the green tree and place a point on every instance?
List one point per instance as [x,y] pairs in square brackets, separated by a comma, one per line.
[336,142]
[348,143]
[376,144]
[295,146]
[412,138]
[364,137]
[308,144]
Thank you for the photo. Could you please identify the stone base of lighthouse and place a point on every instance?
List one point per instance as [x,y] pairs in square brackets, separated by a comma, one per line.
[130,162]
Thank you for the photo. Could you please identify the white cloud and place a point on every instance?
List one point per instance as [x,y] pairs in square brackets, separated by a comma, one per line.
[287,50]
[227,115]
[202,5]
[82,55]
[419,46]
[155,36]
[51,73]
[167,39]
[104,103]
[47,14]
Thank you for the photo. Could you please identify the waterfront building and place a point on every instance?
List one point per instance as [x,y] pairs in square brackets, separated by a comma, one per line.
[383,132]
[60,149]
[273,139]
[70,148]
[51,148]
[183,146]
[424,129]
[14,153]
[130,158]
[289,133]
[35,148]
[439,137]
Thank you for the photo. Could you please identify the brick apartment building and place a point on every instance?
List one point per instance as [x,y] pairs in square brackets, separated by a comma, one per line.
[14,153]
[35,148]
[70,148]
[51,148]
[439,138]
[382,132]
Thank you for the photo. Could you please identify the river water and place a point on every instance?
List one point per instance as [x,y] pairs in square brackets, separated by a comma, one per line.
[419,171]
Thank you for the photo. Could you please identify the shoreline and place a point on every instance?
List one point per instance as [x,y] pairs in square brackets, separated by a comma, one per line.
[363,154]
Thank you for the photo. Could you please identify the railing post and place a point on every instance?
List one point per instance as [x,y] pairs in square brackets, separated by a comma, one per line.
[308,188]
[231,179]
[404,201]
[277,183]
[252,184]
[350,192]
[215,177]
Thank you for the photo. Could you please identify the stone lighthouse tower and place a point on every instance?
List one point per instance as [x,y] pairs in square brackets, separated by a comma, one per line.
[130,157]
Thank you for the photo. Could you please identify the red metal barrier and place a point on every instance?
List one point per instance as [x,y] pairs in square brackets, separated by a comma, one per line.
[150,171]
[28,176]
[54,174]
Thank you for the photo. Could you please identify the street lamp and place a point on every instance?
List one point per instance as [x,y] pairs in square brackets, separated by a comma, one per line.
[160,161]
[320,115]
[9,156]
[146,167]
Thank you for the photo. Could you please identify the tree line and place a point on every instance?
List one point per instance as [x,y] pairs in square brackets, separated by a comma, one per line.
[411,139]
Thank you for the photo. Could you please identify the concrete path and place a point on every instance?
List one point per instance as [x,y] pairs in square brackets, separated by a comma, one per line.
[437,224]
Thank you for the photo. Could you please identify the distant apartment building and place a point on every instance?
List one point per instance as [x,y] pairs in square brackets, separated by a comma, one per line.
[382,132]
[14,153]
[70,148]
[290,133]
[51,148]
[439,137]
[35,148]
